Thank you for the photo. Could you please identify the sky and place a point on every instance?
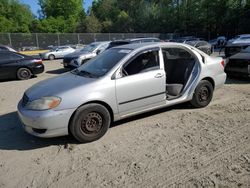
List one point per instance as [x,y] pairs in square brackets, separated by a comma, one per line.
[35,7]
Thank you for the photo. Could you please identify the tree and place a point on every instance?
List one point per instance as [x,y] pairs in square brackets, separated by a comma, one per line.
[92,24]
[63,8]
[14,16]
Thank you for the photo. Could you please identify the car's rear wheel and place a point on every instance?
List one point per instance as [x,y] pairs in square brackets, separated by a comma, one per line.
[23,74]
[203,94]
[51,57]
[90,122]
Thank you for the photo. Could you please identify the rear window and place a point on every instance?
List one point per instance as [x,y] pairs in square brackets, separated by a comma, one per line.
[9,56]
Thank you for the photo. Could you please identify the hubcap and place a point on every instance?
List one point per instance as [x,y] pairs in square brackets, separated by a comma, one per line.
[24,74]
[92,123]
[203,94]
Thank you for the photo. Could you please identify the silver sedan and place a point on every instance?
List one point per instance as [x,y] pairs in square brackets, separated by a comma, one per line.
[58,52]
[121,82]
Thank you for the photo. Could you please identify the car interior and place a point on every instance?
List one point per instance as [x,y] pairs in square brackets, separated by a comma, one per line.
[178,66]
[143,63]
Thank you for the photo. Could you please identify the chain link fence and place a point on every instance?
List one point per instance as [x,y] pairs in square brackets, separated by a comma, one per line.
[35,41]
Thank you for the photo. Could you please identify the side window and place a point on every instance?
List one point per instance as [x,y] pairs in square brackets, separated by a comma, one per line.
[147,40]
[103,47]
[9,56]
[2,48]
[145,62]
[14,57]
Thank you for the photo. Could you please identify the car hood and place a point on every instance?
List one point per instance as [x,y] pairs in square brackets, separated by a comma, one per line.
[78,53]
[57,85]
[245,56]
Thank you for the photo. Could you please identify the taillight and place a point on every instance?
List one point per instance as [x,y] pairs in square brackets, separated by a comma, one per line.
[38,61]
[222,63]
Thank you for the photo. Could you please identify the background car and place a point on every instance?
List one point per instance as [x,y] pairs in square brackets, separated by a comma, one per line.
[79,57]
[240,39]
[121,82]
[202,45]
[218,42]
[58,52]
[232,49]
[132,41]
[239,64]
[14,65]
[6,48]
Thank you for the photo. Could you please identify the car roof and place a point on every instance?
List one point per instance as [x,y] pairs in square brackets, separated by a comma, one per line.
[134,39]
[135,46]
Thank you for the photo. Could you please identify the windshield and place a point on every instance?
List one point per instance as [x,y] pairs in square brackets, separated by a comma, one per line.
[91,47]
[246,50]
[101,64]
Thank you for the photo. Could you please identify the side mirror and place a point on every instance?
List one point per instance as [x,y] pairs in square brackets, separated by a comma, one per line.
[98,52]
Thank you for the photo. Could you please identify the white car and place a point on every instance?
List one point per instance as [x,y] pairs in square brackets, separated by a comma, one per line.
[119,83]
[58,52]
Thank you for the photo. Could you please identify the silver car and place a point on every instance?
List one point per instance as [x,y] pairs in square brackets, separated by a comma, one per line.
[78,58]
[121,82]
[56,53]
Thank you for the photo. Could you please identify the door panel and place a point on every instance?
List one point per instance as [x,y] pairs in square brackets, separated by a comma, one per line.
[8,69]
[140,91]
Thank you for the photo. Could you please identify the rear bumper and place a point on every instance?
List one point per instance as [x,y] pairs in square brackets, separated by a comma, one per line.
[220,80]
[238,71]
[37,68]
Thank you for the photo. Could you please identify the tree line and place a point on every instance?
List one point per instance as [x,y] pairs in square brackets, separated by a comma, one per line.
[204,18]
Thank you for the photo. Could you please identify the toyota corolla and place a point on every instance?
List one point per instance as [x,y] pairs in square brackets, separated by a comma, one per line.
[121,82]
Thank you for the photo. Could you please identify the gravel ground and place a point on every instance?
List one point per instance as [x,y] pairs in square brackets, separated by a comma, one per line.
[173,147]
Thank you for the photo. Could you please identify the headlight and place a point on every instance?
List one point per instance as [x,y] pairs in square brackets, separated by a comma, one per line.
[44,103]
[82,57]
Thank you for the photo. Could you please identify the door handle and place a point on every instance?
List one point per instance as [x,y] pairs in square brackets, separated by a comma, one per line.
[159,75]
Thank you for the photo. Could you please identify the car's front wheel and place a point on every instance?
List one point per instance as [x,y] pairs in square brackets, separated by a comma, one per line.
[23,74]
[203,94]
[90,122]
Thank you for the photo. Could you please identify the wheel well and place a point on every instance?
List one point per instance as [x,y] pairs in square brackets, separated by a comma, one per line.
[97,102]
[210,80]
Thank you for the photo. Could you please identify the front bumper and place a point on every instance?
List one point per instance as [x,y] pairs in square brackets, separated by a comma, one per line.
[45,124]
[71,63]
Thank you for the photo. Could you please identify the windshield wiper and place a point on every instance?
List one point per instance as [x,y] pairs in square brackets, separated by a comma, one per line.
[86,73]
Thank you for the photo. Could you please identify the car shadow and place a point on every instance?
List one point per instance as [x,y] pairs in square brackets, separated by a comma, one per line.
[182,106]
[15,79]
[58,71]
[13,137]
[237,80]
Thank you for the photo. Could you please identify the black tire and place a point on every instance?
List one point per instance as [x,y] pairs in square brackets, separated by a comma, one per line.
[23,74]
[51,57]
[90,122]
[203,94]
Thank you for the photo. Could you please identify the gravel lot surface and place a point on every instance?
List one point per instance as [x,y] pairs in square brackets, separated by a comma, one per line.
[173,147]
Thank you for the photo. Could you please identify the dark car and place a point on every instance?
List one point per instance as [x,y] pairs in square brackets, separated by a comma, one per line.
[14,65]
[239,64]
[202,45]
[232,49]
[131,41]
[6,48]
